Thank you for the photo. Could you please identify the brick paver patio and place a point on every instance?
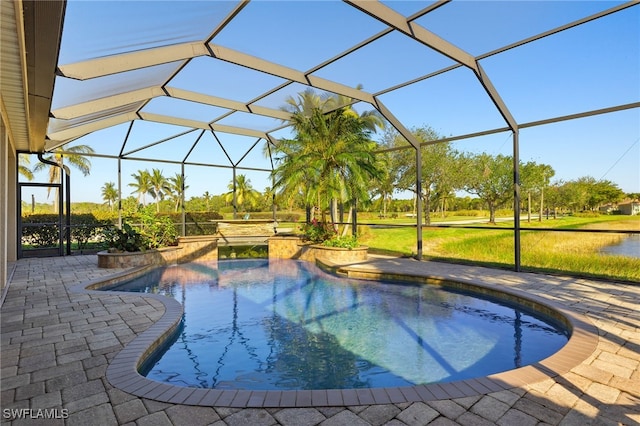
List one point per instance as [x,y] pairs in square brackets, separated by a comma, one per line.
[57,344]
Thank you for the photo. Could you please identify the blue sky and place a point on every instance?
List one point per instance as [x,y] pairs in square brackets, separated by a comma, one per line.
[592,66]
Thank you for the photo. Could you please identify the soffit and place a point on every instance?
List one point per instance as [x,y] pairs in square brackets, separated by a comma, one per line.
[29,42]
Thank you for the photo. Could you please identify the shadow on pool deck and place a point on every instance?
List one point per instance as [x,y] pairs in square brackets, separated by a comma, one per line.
[60,350]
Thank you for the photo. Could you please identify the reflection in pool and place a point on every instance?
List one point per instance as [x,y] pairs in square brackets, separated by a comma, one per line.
[285,325]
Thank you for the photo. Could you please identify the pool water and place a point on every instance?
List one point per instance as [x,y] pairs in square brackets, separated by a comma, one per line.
[287,325]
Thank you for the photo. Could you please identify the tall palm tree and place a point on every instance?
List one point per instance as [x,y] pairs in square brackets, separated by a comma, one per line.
[177,189]
[159,187]
[244,193]
[109,194]
[141,185]
[74,156]
[332,152]
[295,182]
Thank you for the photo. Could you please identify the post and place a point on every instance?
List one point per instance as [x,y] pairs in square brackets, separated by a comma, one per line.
[419,202]
[67,176]
[184,215]
[235,206]
[516,201]
[354,219]
[119,193]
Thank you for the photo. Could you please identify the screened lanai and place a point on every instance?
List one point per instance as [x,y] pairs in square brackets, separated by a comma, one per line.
[197,88]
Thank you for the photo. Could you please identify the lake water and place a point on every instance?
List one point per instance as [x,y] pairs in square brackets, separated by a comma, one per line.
[630,246]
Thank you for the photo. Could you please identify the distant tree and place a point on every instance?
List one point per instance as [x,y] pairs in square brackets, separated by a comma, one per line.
[633,196]
[159,187]
[440,174]
[177,187]
[74,156]
[604,192]
[384,185]
[109,194]
[207,200]
[245,195]
[490,178]
[141,185]
[535,178]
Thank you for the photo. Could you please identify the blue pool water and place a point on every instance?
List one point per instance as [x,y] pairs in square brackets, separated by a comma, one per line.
[287,325]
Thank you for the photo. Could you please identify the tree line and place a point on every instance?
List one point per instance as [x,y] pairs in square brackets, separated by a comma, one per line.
[447,172]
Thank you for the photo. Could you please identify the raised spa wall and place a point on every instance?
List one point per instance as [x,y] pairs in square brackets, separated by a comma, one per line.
[205,248]
[292,247]
[189,249]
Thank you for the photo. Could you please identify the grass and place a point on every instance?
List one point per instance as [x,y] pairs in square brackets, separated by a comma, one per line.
[576,253]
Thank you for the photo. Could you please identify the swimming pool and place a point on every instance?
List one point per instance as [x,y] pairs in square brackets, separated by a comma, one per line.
[285,325]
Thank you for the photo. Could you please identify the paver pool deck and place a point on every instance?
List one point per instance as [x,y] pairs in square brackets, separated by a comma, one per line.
[60,344]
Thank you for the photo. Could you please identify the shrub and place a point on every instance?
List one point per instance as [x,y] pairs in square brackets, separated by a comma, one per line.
[586,214]
[317,232]
[85,228]
[45,231]
[126,239]
[160,231]
[348,242]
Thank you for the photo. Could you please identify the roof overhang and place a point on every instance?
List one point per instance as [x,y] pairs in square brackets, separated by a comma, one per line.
[29,41]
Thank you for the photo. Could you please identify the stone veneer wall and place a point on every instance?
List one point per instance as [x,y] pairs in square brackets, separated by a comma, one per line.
[198,247]
[291,247]
[189,249]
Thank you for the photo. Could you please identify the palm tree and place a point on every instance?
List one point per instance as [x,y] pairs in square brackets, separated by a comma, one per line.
[142,185]
[74,156]
[109,194]
[23,166]
[159,187]
[331,155]
[177,189]
[244,192]
[296,181]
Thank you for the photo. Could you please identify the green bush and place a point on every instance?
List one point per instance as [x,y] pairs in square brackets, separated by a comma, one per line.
[41,230]
[586,214]
[126,239]
[86,227]
[318,232]
[348,242]
[159,230]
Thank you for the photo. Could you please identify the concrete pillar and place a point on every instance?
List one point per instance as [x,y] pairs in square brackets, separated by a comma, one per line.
[8,222]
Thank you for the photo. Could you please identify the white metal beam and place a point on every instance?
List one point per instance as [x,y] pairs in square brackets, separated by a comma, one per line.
[278,70]
[84,129]
[226,103]
[238,131]
[114,64]
[107,103]
[395,20]
[167,119]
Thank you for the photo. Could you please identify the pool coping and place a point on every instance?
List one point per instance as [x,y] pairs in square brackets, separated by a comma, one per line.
[123,373]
